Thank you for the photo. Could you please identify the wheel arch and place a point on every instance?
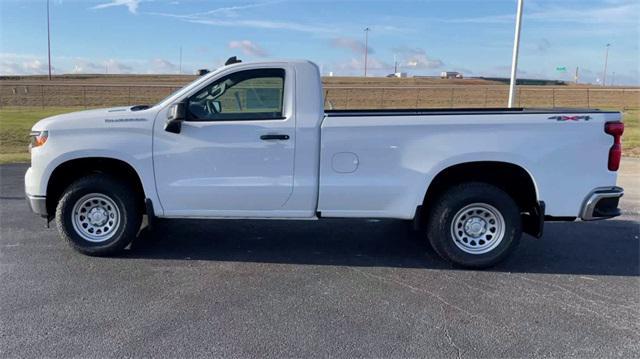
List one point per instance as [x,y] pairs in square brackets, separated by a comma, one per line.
[71,170]
[513,178]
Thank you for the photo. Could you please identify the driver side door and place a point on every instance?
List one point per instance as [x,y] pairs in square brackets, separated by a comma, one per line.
[234,154]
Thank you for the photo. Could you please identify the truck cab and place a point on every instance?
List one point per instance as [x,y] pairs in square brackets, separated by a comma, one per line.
[247,145]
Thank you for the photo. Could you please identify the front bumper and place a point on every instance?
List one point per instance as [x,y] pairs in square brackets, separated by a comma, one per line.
[38,205]
[601,203]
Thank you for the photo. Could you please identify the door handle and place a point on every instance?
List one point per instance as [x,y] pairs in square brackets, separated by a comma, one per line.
[274,137]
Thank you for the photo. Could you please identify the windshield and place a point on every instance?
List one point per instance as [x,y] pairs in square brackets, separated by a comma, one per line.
[178,93]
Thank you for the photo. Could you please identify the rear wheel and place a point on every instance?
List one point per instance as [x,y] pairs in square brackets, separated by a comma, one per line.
[474,225]
[98,215]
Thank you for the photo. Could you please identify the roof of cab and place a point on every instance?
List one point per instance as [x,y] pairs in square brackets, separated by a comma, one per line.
[273,62]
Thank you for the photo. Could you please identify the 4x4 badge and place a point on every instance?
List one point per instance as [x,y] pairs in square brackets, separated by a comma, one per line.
[570,118]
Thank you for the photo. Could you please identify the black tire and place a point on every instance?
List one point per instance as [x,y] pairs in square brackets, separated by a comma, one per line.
[130,214]
[443,237]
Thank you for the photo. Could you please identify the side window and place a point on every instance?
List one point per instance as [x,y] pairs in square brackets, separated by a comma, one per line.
[243,95]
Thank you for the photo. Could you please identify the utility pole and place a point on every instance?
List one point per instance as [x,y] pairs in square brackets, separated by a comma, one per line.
[606,60]
[395,64]
[48,40]
[613,78]
[514,59]
[366,48]
[180,68]
[576,77]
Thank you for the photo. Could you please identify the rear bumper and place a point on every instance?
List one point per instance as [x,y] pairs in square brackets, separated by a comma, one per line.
[601,203]
[38,204]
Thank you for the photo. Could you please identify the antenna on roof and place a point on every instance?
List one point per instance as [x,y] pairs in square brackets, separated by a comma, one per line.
[232,60]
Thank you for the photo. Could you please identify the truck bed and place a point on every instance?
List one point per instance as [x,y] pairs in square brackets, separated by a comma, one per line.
[373,162]
[459,111]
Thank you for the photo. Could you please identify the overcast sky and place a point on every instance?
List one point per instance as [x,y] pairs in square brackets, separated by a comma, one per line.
[426,37]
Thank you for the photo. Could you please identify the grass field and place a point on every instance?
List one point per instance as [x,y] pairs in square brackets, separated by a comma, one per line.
[16,122]
[631,137]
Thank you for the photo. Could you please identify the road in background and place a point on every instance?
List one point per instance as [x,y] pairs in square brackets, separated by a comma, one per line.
[341,288]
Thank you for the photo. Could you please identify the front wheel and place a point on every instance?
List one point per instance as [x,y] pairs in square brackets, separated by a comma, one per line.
[98,215]
[474,225]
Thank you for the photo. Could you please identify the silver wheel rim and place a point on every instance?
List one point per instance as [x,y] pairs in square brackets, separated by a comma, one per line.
[95,217]
[478,228]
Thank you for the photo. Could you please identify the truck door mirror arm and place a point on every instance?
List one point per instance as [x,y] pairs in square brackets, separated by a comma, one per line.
[177,114]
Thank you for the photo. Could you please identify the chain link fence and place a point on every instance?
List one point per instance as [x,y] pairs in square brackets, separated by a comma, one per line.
[336,97]
[74,95]
[476,96]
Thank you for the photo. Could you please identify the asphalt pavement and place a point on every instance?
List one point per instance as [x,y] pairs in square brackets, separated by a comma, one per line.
[328,288]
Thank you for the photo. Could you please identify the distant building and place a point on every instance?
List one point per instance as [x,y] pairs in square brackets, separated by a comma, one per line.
[451,75]
[400,75]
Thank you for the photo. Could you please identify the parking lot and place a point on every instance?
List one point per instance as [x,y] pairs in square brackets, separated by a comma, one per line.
[341,288]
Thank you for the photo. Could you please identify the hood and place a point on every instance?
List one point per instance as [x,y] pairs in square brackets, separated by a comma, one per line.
[91,118]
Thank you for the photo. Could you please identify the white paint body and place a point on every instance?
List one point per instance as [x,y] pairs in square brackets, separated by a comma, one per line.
[342,166]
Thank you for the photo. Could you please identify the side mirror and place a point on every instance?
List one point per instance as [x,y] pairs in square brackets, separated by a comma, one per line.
[177,114]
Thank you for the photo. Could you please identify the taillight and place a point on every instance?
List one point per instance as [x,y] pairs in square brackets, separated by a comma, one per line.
[615,129]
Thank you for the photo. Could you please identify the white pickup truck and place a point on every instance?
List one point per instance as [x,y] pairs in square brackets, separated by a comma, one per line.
[252,140]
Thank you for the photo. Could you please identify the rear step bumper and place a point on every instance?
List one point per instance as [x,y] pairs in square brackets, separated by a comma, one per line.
[601,203]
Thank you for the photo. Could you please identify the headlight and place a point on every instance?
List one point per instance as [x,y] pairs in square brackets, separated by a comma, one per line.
[38,138]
